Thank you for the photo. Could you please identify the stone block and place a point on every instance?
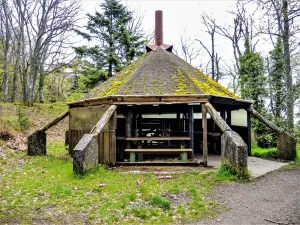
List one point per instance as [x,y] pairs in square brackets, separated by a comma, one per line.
[37,143]
[286,146]
[234,151]
[85,154]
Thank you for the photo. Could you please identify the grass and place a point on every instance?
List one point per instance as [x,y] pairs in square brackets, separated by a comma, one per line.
[227,172]
[269,153]
[45,190]
[264,153]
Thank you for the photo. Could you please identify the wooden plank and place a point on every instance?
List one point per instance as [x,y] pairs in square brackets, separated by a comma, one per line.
[157,103]
[204,127]
[217,118]
[191,129]
[256,114]
[157,150]
[106,147]
[104,119]
[54,121]
[158,139]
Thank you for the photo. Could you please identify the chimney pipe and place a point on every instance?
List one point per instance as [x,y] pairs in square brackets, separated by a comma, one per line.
[158,27]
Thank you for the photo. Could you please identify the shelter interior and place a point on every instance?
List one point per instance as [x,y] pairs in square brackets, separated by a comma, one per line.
[151,131]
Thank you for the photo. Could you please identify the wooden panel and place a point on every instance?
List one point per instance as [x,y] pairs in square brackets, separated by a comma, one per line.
[74,138]
[158,139]
[104,120]
[204,126]
[157,150]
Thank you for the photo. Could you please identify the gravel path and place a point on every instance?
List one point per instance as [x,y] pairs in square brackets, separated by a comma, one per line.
[271,199]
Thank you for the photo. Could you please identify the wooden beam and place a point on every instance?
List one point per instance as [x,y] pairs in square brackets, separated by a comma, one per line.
[204,127]
[191,129]
[256,114]
[217,118]
[53,122]
[158,139]
[104,119]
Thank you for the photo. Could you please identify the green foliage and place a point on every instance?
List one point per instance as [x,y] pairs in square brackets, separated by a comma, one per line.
[47,183]
[159,201]
[227,172]
[253,87]
[264,153]
[276,81]
[119,36]
[20,119]
[252,78]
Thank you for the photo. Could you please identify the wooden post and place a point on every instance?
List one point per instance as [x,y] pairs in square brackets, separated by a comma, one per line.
[191,129]
[204,126]
[228,118]
[112,139]
[101,148]
[249,132]
[214,131]
[106,146]
[178,123]
[223,115]
[128,125]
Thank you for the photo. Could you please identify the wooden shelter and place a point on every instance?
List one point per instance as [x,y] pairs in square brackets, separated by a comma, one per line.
[158,107]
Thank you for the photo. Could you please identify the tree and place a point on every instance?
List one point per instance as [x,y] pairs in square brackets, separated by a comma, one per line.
[118,37]
[252,82]
[276,74]
[252,76]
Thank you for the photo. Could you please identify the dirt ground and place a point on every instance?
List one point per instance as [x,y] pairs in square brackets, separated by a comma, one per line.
[271,199]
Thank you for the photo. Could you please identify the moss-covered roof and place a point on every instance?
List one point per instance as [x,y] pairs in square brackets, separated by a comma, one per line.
[160,72]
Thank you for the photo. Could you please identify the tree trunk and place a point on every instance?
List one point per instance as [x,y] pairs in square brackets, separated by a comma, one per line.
[288,74]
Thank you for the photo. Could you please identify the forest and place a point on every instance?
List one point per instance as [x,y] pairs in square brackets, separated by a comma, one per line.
[42,61]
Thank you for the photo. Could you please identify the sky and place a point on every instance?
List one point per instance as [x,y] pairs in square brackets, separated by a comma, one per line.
[182,18]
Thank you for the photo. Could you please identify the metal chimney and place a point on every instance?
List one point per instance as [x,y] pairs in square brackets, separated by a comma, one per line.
[158,35]
[158,27]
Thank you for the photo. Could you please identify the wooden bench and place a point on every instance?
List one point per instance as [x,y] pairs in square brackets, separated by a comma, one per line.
[159,150]
[158,139]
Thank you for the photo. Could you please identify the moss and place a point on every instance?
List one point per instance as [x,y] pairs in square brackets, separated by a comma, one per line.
[209,86]
[183,85]
[115,84]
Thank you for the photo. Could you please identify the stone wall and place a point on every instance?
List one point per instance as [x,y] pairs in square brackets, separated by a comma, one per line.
[37,143]
[235,152]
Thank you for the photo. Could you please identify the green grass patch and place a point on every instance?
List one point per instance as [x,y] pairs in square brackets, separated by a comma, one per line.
[44,188]
[298,156]
[227,172]
[264,153]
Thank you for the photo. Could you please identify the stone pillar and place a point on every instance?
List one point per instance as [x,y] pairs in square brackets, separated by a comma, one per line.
[234,152]
[37,143]
[85,154]
[286,146]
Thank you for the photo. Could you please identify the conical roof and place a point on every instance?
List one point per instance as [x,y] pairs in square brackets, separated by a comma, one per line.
[160,72]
